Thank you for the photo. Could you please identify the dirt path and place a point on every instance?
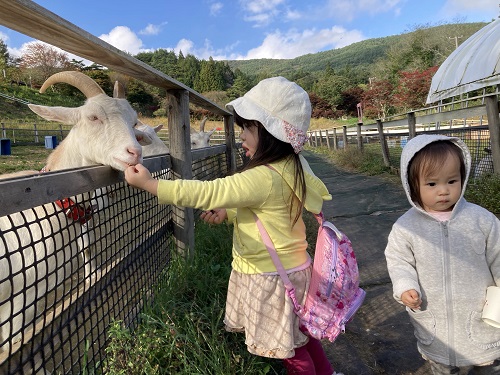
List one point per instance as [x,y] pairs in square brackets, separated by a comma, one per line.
[380,339]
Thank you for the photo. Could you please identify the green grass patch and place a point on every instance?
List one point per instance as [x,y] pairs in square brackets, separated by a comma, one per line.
[485,192]
[369,161]
[183,332]
[24,158]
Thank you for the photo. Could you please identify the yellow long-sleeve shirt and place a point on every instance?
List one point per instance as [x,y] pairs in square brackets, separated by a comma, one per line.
[262,191]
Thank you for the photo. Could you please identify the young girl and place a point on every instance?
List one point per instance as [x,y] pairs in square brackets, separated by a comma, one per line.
[442,254]
[276,185]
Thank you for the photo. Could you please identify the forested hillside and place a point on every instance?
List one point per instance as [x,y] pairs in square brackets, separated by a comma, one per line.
[386,75]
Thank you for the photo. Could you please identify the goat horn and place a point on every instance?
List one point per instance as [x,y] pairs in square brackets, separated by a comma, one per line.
[82,82]
[202,124]
[118,90]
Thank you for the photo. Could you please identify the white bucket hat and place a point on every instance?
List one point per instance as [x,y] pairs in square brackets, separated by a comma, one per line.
[281,106]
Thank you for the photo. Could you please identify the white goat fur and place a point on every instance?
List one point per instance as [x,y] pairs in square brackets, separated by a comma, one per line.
[102,133]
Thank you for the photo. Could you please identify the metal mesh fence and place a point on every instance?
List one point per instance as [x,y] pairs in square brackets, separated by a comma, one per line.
[477,139]
[69,268]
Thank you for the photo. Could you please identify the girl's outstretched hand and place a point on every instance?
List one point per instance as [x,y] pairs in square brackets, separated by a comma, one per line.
[215,216]
[139,176]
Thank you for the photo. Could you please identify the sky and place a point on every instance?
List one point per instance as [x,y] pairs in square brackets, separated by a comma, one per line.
[252,29]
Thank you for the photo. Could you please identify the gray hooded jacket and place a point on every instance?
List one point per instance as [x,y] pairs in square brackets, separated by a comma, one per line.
[450,264]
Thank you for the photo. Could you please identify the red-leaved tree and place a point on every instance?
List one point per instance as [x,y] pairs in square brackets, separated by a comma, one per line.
[413,88]
[377,100]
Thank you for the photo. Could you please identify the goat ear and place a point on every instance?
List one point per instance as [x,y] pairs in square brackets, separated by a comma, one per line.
[59,114]
[211,132]
[143,138]
[157,128]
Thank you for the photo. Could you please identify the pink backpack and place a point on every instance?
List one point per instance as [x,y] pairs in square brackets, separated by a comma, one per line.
[334,294]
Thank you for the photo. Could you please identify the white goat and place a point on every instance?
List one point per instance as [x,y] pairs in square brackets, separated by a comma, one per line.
[37,244]
[155,145]
[202,138]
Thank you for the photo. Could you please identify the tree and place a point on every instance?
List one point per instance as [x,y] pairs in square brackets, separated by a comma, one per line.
[242,83]
[4,58]
[412,89]
[43,60]
[211,77]
[377,100]
[188,69]
[350,99]
[330,86]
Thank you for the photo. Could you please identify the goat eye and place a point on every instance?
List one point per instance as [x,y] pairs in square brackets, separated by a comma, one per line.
[93,118]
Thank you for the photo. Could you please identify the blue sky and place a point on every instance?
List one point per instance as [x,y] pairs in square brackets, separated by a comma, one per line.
[249,29]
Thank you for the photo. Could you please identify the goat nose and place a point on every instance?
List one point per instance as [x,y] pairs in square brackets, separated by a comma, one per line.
[137,152]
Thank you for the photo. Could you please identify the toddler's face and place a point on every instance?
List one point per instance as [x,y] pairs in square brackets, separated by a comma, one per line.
[441,189]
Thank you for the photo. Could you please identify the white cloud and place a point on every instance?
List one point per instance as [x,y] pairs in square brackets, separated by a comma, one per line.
[151,29]
[293,43]
[186,46]
[293,15]
[215,8]
[262,12]
[4,37]
[476,5]
[350,9]
[124,39]
[260,6]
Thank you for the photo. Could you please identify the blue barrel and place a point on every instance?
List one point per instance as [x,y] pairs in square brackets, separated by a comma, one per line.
[50,141]
[5,146]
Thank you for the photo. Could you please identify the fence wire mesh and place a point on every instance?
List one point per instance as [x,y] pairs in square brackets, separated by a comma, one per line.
[70,268]
[477,139]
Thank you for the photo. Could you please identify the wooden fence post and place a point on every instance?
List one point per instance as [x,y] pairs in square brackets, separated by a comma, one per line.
[383,143]
[180,151]
[345,136]
[494,127]
[412,124]
[335,140]
[36,133]
[359,136]
[327,140]
[230,143]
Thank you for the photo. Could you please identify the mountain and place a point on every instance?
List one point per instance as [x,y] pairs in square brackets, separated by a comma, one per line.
[359,55]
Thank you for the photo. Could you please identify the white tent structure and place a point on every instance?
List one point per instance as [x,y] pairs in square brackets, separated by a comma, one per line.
[475,64]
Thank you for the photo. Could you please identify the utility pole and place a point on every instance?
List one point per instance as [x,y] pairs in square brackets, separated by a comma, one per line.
[456,39]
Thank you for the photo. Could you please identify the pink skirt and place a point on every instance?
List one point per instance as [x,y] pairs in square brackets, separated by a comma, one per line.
[259,306]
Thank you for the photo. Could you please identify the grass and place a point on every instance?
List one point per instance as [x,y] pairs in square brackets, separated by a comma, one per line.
[183,332]
[24,158]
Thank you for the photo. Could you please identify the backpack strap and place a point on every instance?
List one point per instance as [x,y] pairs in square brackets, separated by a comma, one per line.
[277,263]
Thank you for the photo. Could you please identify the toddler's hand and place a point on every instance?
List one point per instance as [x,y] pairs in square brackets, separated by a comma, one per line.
[215,216]
[411,299]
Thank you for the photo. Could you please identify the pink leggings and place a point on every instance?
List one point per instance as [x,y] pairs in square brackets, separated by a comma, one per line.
[309,359]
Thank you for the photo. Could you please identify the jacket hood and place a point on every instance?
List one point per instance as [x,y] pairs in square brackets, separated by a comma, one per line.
[317,192]
[419,142]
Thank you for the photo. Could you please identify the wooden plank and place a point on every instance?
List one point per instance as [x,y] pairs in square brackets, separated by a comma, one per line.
[202,153]
[30,19]
[21,193]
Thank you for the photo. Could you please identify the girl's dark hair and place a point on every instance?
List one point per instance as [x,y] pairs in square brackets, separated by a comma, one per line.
[429,160]
[270,150]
